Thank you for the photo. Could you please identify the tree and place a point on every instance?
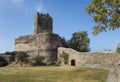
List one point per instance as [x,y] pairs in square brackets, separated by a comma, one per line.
[105,13]
[80,41]
[12,55]
[21,57]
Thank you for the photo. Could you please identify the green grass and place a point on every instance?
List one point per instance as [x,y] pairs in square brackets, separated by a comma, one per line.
[52,74]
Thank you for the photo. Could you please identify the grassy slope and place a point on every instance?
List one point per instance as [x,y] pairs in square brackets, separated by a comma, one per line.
[52,74]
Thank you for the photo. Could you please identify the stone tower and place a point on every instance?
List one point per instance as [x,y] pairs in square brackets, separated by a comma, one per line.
[43,42]
[42,23]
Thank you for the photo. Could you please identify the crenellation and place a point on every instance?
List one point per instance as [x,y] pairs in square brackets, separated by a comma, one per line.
[42,23]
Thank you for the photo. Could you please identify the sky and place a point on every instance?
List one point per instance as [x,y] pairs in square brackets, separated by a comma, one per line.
[69,16]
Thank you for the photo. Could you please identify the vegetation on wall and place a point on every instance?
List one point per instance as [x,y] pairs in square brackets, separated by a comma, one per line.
[105,13]
[65,57]
[80,41]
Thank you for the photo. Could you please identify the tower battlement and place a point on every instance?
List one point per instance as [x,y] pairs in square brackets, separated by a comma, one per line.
[42,23]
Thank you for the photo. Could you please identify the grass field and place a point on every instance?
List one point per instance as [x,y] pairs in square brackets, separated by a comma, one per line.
[52,74]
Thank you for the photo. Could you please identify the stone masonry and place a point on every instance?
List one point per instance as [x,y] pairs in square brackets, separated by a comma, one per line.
[42,42]
[89,59]
[42,23]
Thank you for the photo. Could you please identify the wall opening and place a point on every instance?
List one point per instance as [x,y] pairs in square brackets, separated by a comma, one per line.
[73,62]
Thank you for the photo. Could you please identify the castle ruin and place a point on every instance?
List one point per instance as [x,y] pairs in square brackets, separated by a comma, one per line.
[43,42]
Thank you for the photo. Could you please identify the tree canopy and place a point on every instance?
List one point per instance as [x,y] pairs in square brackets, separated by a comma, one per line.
[105,13]
[80,41]
[21,57]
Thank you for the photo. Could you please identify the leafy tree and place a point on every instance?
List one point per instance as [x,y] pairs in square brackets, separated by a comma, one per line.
[80,41]
[38,60]
[12,55]
[21,57]
[105,13]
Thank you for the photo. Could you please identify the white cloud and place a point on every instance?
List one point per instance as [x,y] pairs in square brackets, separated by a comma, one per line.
[18,3]
[39,7]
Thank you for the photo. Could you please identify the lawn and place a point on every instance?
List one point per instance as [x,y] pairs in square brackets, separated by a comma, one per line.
[52,74]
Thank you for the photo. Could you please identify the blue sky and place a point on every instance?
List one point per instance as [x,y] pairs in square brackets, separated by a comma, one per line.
[69,16]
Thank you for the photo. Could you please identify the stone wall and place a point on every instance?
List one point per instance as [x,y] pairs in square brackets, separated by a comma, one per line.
[90,59]
[44,44]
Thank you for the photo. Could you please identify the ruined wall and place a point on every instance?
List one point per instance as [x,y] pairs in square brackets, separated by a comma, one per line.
[90,59]
[44,44]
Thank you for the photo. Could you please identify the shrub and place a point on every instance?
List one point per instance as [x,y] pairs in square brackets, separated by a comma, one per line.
[21,57]
[57,63]
[3,62]
[38,60]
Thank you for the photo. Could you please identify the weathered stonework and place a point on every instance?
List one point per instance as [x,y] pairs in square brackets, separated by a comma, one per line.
[89,59]
[42,23]
[42,42]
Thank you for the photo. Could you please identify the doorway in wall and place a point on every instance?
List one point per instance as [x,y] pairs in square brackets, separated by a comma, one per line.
[72,62]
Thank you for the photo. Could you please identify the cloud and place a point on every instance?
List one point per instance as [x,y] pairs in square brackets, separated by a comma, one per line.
[18,3]
[39,7]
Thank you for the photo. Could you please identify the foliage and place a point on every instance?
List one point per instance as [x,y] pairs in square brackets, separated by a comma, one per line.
[105,13]
[38,60]
[21,57]
[65,43]
[12,55]
[80,41]
[65,57]
[118,50]
[3,62]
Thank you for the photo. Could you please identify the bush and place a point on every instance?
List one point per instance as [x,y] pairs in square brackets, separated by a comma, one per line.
[3,62]
[53,63]
[38,60]
[57,63]
[21,57]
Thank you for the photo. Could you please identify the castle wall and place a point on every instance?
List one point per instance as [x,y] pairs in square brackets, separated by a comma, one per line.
[44,44]
[90,59]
